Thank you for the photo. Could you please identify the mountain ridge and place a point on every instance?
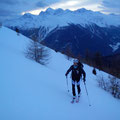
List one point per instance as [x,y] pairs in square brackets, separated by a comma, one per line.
[102,29]
[59,17]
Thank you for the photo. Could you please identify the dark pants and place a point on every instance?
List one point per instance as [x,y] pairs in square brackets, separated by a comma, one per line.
[78,88]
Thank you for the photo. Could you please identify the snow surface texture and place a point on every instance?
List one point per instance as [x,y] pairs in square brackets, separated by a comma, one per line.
[30,91]
[52,18]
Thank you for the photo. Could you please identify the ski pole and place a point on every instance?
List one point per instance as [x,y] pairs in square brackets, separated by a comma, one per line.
[87,94]
[67,84]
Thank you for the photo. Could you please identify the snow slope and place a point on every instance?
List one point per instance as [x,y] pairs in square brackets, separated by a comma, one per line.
[52,18]
[30,91]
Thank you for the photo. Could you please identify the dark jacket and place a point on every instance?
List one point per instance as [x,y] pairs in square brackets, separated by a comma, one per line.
[76,72]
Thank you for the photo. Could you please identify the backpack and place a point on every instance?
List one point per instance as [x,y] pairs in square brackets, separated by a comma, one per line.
[80,64]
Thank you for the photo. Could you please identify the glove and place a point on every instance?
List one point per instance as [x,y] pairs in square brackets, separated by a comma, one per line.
[84,80]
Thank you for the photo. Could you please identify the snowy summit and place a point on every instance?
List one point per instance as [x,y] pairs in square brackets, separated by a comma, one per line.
[52,18]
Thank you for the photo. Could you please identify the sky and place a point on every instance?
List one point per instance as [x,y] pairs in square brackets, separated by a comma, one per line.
[10,9]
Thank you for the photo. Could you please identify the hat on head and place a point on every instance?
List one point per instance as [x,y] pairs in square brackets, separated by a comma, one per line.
[75,61]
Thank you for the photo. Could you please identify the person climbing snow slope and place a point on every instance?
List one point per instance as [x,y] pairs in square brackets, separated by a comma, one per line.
[77,72]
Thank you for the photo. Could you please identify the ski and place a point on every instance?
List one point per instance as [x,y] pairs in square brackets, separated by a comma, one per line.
[77,100]
[73,100]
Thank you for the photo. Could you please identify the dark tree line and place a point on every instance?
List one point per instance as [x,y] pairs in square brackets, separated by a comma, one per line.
[97,61]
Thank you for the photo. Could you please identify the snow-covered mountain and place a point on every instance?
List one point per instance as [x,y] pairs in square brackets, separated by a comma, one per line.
[52,18]
[80,39]
[95,31]
[30,91]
